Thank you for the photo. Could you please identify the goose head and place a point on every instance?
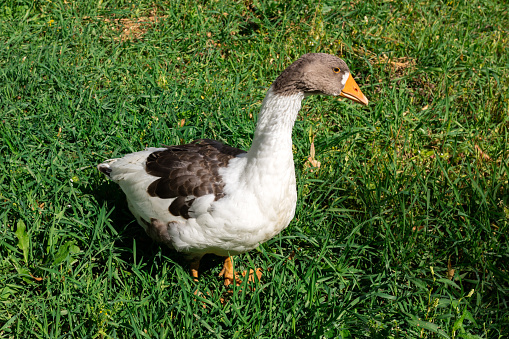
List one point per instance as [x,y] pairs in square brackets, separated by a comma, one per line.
[319,73]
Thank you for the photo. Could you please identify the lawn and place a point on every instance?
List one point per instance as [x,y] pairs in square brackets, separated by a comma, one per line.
[402,221]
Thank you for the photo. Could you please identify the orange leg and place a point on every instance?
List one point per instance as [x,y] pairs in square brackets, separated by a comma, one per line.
[195,264]
[230,276]
[227,271]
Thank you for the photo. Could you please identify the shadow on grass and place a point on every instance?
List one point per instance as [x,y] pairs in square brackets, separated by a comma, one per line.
[131,235]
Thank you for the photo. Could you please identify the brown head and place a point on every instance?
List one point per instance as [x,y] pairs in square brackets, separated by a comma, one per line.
[319,73]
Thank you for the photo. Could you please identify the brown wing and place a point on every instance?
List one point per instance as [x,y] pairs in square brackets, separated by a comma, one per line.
[189,170]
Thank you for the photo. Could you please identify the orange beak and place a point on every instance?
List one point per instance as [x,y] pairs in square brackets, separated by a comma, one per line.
[353,92]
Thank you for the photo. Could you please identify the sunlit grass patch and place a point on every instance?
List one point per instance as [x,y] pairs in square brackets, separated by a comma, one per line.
[403,212]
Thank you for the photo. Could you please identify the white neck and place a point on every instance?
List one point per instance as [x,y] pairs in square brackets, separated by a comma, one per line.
[273,135]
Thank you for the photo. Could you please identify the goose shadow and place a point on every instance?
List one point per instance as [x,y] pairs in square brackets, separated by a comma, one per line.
[131,234]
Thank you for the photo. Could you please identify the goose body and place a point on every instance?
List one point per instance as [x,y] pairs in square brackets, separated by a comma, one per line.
[207,197]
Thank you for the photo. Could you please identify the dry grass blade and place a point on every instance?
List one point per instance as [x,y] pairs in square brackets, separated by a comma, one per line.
[133,28]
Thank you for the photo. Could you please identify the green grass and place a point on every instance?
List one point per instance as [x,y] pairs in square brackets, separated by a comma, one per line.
[410,188]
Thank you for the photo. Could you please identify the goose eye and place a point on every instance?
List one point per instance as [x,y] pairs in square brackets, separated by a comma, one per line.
[336,70]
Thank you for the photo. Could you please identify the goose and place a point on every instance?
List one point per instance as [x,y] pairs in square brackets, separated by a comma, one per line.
[208,197]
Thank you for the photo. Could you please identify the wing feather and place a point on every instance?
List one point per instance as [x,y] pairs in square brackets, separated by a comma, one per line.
[189,171]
